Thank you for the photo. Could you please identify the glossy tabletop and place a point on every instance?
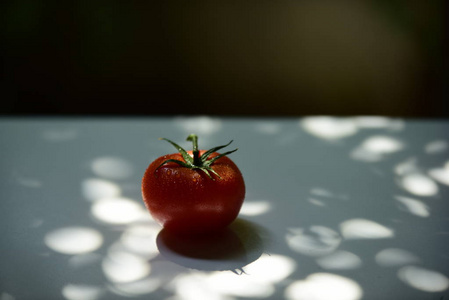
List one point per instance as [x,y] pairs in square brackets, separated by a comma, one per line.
[335,208]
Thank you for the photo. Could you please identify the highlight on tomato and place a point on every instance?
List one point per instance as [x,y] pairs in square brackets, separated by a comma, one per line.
[193,192]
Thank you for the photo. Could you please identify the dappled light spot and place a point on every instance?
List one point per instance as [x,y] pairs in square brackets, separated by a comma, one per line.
[376,148]
[413,206]
[324,286]
[146,217]
[393,257]
[84,260]
[321,192]
[365,155]
[111,167]
[373,122]
[95,188]
[316,202]
[117,210]
[60,134]
[364,229]
[423,279]
[29,183]
[254,208]
[194,286]
[136,288]
[201,125]
[329,128]
[121,266]
[6,296]
[74,240]
[271,268]
[268,128]
[255,280]
[406,167]
[382,144]
[82,292]
[36,223]
[340,260]
[436,147]
[316,241]
[419,184]
[441,175]
[141,239]
[240,286]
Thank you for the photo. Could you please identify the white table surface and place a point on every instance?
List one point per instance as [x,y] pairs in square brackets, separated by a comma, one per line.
[336,208]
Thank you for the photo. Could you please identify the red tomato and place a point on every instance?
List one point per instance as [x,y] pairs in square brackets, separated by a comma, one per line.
[194,192]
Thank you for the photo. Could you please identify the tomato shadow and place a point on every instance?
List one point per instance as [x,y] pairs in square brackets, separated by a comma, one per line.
[238,245]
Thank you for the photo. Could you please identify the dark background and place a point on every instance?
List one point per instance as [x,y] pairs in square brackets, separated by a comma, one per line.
[253,58]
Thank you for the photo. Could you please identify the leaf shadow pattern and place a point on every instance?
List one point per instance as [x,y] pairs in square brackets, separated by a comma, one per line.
[242,243]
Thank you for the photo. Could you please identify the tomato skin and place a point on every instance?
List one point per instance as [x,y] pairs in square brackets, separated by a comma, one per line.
[187,201]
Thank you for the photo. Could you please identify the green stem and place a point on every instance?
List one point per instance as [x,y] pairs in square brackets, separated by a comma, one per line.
[198,162]
[196,154]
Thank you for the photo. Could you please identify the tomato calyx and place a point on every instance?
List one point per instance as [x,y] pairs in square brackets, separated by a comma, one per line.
[202,162]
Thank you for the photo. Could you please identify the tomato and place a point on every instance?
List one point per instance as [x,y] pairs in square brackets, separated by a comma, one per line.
[193,192]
